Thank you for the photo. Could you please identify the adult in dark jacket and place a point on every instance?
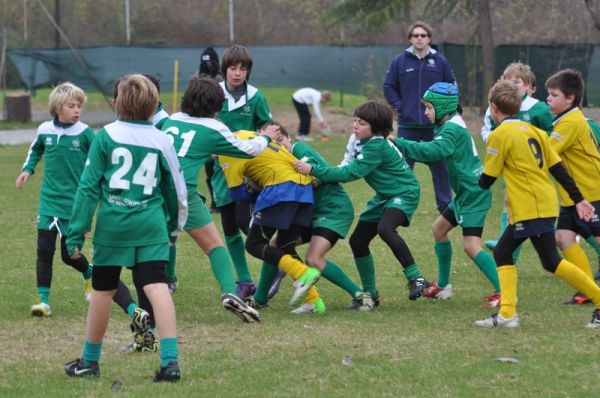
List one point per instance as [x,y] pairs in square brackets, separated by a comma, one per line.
[409,75]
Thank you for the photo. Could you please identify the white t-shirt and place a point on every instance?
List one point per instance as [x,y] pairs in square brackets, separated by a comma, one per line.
[309,96]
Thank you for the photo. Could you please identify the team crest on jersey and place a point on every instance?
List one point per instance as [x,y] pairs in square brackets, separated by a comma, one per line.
[246,109]
[397,201]
[48,140]
[75,145]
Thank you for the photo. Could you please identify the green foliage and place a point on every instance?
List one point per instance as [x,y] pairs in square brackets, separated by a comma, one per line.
[370,14]
[422,348]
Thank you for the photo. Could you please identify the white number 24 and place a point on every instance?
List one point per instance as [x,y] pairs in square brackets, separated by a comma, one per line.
[145,175]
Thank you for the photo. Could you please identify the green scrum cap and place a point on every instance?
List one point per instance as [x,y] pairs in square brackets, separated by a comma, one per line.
[443,97]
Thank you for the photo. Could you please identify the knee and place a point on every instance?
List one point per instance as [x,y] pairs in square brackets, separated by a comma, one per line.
[471,248]
[255,247]
[564,240]
[315,260]
[359,248]
[385,231]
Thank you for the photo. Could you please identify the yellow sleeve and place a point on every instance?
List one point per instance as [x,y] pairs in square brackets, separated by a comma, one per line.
[562,137]
[493,164]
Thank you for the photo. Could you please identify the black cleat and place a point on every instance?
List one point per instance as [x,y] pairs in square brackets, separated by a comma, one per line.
[168,373]
[76,368]
[416,287]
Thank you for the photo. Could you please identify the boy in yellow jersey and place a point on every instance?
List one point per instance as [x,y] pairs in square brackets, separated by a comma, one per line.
[284,205]
[573,140]
[521,153]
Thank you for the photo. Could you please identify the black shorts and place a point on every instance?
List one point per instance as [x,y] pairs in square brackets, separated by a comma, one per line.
[107,277]
[569,220]
[528,228]
[285,214]
[326,233]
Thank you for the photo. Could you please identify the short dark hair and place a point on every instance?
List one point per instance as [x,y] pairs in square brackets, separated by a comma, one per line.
[505,96]
[236,55]
[203,97]
[154,79]
[379,115]
[282,129]
[569,82]
[423,25]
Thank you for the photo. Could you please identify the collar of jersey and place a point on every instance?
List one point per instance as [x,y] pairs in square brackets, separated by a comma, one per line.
[560,115]
[136,121]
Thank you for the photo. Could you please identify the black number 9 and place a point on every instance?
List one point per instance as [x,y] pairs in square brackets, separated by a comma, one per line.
[536,150]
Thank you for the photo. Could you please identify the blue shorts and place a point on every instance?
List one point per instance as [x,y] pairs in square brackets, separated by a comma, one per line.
[569,220]
[283,215]
[528,228]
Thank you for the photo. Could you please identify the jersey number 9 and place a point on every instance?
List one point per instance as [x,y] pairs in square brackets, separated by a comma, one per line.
[537,151]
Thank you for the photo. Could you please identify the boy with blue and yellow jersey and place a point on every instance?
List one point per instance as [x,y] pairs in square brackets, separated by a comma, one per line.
[453,143]
[522,154]
[396,198]
[574,142]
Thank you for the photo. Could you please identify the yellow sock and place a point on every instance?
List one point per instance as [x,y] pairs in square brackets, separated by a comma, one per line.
[292,266]
[575,254]
[507,274]
[575,277]
[312,296]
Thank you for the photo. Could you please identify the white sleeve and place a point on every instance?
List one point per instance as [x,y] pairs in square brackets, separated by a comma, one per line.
[486,129]
[350,153]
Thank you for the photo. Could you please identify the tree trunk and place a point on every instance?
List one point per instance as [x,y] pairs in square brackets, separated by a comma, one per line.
[487,50]
[593,7]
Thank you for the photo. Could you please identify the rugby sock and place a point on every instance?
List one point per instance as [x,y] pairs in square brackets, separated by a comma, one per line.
[172,263]
[168,350]
[576,255]
[220,263]
[366,270]
[91,352]
[88,272]
[575,277]
[312,296]
[487,265]
[43,293]
[507,274]
[412,272]
[131,309]
[292,266]
[235,245]
[267,275]
[591,240]
[335,275]
[443,252]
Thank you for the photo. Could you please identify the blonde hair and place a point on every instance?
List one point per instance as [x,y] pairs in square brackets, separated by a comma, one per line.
[137,98]
[521,71]
[63,93]
[505,96]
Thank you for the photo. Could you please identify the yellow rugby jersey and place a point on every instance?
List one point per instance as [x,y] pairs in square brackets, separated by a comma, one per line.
[523,155]
[272,167]
[573,141]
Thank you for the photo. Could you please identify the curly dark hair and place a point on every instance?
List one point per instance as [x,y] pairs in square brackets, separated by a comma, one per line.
[203,97]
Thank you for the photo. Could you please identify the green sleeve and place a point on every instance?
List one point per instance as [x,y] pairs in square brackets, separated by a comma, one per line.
[169,193]
[36,151]
[88,193]
[263,113]
[89,138]
[226,143]
[543,119]
[440,148]
[363,165]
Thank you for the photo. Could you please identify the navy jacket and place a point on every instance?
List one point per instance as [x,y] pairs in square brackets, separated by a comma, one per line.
[407,79]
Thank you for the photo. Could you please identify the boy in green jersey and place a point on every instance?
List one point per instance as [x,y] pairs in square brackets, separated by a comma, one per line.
[244,108]
[452,142]
[132,170]
[396,198]
[532,111]
[64,142]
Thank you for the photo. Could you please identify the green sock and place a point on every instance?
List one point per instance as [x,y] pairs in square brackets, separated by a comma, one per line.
[503,221]
[130,309]
[172,263]
[412,272]
[44,293]
[366,269]
[267,275]
[486,264]
[168,350]
[88,272]
[235,245]
[334,274]
[443,252]
[91,352]
[592,242]
[220,263]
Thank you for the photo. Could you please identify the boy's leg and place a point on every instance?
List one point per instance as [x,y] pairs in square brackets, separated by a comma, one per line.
[443,247]
[81,264]
[359,243]
[235,242]
[46,245]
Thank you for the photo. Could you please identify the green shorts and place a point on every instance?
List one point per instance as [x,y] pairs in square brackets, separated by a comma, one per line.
[48,223]
[198,214]
[333,209]
[407,202]
[469,218]
[129,256]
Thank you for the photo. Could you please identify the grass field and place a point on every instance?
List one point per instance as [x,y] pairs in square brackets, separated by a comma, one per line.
[422,348]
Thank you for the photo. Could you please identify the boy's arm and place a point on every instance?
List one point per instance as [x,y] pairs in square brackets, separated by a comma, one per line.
[493,164]
[263,113]
[440,148]
[561,138]
[350,153]
[391,86]
[86,198]
[365,163]
[174,190]
[36,151]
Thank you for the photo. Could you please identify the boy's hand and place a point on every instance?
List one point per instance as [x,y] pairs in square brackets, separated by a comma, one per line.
[22,179]
[302,167]
[585,210]
[271,131]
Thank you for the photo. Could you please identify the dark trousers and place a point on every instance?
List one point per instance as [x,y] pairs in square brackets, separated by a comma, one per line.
[439,170]
[304,115]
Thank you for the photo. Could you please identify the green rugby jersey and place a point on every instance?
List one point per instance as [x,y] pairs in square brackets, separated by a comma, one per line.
[65,150]
[160,116]
[532,111]
[250,112]
[453,142]
[196,139]
[132,170]
[330,198]
[594,127]
[380,163]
